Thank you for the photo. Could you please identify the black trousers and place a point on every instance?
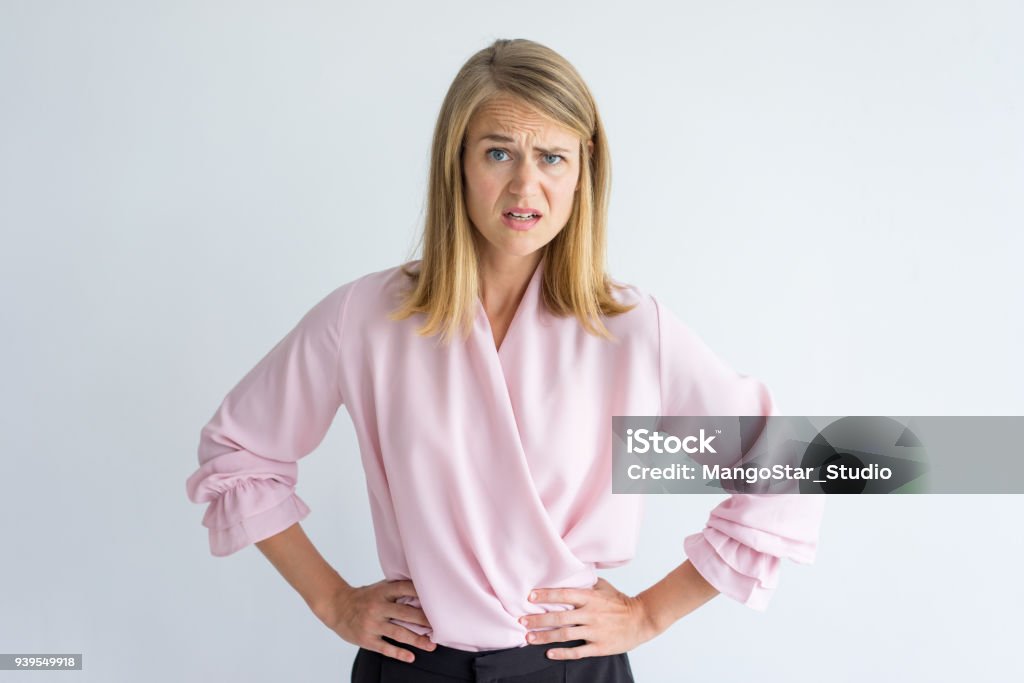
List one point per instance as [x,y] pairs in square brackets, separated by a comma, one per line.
[528,664]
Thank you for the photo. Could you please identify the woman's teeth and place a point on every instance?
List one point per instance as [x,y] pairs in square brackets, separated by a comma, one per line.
[521,217]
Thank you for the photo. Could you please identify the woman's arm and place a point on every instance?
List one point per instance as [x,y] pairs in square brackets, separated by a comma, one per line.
[302,566]
[359,615]
[747,536]
[277,414]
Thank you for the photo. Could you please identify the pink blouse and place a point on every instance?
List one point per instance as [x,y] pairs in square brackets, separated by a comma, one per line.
[488,470]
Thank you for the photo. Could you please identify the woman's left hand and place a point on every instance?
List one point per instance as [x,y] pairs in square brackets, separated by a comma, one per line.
[610,621]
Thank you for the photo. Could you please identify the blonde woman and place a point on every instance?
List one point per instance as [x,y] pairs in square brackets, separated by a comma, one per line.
[481,380]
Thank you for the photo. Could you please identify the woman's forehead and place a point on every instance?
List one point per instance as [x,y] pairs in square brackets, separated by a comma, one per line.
[512,117]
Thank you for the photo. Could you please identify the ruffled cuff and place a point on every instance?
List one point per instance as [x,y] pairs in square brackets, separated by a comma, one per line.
[746,538]
[251,511]
[734,569]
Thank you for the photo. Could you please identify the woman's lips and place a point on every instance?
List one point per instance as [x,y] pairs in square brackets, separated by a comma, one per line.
[521,217]
[523,210]
[520,223]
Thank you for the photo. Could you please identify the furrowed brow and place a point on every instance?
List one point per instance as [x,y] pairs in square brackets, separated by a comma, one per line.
[494,137]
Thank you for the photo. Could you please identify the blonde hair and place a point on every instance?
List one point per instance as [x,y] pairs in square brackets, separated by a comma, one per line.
[446,285]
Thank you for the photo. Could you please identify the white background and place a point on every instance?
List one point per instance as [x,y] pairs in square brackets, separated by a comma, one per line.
[829,193]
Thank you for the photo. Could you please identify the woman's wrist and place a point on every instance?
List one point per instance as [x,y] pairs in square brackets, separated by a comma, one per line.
[682,591]
[327,604]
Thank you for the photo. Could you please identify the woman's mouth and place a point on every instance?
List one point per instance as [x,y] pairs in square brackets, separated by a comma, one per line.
[520,218]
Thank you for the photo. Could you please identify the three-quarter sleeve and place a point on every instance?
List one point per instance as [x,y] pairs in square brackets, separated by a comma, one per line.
[746,537]
[278,412]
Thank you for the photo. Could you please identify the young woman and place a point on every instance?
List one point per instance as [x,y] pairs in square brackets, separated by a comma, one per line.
[481,380]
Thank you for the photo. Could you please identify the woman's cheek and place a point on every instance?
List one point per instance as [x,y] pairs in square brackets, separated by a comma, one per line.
[566,191]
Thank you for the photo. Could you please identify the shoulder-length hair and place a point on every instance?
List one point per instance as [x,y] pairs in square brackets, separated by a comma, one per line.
[446,285]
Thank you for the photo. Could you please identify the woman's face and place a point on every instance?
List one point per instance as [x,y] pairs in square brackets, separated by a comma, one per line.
[516,160]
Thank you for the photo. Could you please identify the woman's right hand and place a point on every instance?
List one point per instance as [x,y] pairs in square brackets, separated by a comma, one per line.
[360,615]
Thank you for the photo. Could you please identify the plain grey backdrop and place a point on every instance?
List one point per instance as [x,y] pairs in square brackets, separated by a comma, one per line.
[829,193]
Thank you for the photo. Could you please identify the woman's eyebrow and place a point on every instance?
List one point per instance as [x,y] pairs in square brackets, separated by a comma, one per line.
[504,138]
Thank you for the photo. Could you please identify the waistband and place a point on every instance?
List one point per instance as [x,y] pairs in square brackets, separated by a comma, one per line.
[486,664]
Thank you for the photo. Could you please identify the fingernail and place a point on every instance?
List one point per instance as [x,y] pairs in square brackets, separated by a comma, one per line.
[522,620]
[533,595]
[530,637]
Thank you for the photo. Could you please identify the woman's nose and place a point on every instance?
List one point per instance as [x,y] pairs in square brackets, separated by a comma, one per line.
[525,179]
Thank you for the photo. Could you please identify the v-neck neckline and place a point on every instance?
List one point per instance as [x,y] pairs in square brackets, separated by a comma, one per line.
[530,299]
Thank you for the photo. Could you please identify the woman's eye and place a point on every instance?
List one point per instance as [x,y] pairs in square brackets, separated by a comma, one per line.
[492,152]
[553,159]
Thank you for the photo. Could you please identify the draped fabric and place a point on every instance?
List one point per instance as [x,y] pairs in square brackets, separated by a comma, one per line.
[488,470]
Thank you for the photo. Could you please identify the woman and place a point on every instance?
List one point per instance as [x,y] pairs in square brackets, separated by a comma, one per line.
[481,381]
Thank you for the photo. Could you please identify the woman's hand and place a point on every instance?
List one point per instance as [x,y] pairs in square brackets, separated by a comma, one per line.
[360,616]
[610,621]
